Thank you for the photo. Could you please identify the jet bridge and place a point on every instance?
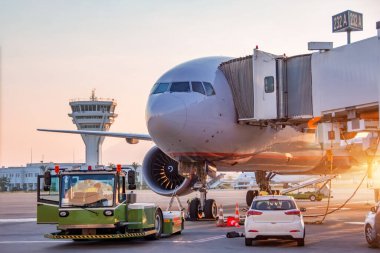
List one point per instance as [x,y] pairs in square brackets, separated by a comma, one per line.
[341,83]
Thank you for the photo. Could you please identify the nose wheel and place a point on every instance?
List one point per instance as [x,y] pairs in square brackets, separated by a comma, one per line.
[209,211]
[202,208]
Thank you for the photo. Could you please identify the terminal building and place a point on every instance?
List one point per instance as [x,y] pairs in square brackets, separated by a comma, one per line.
[25,178]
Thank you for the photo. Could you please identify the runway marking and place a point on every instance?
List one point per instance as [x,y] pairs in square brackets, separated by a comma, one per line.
[162,241]
[213,238]
[331,208]
[18,242]
[18,220]
[355,222]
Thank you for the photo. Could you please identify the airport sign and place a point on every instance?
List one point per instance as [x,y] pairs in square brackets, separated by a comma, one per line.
[347,21]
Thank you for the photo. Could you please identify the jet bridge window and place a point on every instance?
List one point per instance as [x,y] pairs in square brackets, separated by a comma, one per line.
[160,88]
[180,87]
[269,84]
[209,89]
[198,87]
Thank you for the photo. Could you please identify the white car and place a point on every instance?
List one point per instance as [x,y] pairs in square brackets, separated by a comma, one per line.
[276,217]
[371,235]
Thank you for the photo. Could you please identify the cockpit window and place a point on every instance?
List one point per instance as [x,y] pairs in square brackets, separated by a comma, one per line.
[180,87]
[198,87]
[161,88]
[209,89]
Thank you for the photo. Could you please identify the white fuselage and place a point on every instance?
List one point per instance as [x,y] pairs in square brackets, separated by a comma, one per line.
[190,126]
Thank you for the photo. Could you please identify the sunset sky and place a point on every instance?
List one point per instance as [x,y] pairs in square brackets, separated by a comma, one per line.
[56,50]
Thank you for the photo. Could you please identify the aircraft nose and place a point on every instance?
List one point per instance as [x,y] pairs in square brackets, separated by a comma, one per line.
[165,115]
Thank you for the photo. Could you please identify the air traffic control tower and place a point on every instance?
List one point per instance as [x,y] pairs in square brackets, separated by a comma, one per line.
[95,115]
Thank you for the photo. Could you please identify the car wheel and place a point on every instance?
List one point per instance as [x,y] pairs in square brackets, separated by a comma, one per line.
[312,197]
[248,242]
[370,236]
[301,242]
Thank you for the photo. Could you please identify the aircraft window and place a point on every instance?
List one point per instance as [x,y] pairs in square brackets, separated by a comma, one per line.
[198,87]
[269,84]
[209,89]
[180,87]
[161,88]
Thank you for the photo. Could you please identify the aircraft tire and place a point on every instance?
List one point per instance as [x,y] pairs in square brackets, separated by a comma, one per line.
[211,209]
[194,210]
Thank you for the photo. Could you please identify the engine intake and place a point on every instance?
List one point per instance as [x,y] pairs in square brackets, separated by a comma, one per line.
[161,174]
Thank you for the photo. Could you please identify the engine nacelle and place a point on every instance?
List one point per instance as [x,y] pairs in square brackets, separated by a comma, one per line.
[161,174]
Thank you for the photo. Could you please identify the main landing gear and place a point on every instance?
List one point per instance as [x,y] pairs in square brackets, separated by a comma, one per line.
[262,180]
[202,208]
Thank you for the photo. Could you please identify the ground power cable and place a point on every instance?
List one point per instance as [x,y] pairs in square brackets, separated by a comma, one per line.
[352,195]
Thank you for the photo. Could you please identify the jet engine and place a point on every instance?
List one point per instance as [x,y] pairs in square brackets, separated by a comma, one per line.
[161,174]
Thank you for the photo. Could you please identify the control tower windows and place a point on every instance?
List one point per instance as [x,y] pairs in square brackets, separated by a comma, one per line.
[75,108]
[180,87]
[84,126]
[209,89]
[198,87]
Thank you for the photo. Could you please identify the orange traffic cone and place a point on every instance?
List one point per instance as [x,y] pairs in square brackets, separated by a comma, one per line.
[237,215]
[220,221]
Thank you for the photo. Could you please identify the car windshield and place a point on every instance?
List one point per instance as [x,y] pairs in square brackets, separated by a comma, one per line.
[86,190]
[273,204]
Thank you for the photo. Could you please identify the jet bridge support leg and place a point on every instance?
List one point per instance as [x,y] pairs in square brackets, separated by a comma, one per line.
[263,181]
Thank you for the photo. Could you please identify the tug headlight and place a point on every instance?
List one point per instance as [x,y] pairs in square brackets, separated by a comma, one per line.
[108,212]
[63,213]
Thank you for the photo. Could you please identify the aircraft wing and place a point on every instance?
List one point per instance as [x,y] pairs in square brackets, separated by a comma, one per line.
[128,136]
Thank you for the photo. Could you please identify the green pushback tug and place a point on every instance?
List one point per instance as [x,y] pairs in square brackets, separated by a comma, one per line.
[93,204]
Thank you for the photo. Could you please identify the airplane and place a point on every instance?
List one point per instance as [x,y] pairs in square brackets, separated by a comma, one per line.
[192,120]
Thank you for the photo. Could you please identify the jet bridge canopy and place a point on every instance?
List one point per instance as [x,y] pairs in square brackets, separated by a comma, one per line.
[239,74]
[269,87]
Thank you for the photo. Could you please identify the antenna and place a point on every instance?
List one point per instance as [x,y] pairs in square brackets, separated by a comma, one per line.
[93,97]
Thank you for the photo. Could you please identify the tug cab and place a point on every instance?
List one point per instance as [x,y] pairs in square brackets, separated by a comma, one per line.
[94,204]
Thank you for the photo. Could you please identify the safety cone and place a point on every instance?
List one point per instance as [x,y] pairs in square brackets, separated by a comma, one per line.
[237,215]
[230,221]
[220,221]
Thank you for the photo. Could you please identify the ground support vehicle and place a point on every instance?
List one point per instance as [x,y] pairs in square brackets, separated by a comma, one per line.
[371,235]
[274,217]
[312,196]
[93,204]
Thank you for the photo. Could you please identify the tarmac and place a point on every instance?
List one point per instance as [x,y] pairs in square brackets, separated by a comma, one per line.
[341,231]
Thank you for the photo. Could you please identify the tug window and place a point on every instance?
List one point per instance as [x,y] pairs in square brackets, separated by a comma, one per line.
[180,87]
[209,89]
[198,87]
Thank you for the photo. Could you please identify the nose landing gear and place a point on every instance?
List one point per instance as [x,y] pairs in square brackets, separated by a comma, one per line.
[202,208]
